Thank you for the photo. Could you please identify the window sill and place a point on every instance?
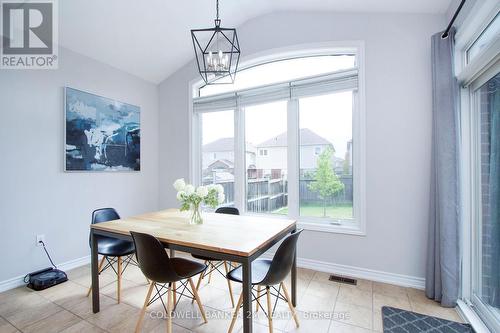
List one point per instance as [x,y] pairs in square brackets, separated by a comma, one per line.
[312,225]
[331,228]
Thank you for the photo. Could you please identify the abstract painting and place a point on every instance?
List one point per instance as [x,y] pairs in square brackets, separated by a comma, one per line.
[101,134]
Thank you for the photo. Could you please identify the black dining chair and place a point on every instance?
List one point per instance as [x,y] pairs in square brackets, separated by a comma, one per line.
[216,264]
[163,272]
[269,274]
[113,250]
[228,210]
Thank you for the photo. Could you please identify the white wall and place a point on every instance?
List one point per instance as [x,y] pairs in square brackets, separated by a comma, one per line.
[466,9]
[275,158]
[398,134]
[36,196]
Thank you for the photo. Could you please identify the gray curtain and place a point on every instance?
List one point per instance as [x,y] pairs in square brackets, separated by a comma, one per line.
[494,195]
[442,276]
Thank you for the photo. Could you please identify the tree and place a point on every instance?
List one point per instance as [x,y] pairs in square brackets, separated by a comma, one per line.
[326,183]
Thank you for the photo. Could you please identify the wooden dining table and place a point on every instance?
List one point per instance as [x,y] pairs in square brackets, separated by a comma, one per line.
[236,238]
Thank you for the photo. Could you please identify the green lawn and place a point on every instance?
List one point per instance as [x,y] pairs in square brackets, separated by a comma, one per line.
[339,211]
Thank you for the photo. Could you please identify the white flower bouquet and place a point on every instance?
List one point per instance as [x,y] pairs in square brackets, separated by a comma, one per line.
[191,198]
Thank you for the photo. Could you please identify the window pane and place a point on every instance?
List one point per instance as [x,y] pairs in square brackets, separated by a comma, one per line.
[487,284]
[489,34]
[217,161]
[283,70]
[326,178]
[266,132]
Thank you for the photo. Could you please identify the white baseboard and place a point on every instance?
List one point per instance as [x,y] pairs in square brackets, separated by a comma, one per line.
[360,273]
[321,266]
[65,266]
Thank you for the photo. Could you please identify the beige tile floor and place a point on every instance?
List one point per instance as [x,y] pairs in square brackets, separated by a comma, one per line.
[323,306]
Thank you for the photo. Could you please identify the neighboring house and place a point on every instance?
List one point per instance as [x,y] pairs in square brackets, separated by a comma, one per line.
[221,164]
[219,171]
[272,153]
[223,150]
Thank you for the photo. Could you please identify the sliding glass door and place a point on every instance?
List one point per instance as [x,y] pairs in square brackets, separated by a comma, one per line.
[477,68]
[485,293]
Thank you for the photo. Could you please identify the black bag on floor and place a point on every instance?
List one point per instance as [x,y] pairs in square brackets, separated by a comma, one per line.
[47,277]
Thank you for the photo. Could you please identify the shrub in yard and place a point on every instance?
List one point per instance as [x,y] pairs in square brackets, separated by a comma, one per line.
[326,183]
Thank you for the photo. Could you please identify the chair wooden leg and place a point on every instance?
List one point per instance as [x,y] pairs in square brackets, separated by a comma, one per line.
[292,308]
[269,310]
[258,302]
[174,292]
[235,314]
[99,270]
[169,309]
[229,285]
[144,307]
[211,270]
[119,284]
[198,301]
[202,274]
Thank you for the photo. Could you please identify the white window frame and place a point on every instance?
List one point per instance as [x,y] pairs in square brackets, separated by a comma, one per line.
[358,136]
[470,75]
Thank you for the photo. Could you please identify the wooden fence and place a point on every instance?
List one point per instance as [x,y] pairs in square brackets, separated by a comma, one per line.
[344,197]
[266,195]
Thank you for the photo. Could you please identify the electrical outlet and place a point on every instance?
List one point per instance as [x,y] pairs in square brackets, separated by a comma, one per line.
[40,238]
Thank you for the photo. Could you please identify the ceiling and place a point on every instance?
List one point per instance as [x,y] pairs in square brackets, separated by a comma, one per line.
[151,40]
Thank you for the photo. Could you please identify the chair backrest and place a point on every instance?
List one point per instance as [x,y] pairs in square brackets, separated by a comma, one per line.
[152,258]
[283,260]
[104,215]
[228,210]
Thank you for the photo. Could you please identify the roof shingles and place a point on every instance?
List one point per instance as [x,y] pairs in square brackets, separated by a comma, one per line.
[307,138]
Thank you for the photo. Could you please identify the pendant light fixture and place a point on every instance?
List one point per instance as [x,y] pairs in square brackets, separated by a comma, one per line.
[217,52]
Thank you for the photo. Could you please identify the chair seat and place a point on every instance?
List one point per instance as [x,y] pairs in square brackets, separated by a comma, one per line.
[187,268]
[260,267]
[197,256]
[114,247]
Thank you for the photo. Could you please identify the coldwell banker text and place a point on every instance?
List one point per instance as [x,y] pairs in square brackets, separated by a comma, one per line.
[29,34]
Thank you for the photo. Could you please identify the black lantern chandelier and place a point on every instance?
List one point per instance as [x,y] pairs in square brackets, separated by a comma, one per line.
[217,52]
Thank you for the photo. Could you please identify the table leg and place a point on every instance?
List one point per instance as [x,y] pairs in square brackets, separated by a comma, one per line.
[95,273]
[174,286]
[247,296]
[294,279]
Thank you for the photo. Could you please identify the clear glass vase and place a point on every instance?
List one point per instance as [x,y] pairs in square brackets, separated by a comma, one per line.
[196,217]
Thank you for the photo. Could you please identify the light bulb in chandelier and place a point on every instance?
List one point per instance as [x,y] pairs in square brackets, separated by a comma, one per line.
[218,64]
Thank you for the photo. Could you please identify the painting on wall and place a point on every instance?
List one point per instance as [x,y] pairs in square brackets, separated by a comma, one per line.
[101,134]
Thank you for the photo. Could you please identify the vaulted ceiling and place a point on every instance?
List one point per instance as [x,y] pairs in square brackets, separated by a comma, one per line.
[151,39]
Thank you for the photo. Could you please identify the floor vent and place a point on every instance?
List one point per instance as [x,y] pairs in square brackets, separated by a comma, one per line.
[343,279]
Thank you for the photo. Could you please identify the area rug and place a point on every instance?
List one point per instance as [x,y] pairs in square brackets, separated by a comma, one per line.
[402,321]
